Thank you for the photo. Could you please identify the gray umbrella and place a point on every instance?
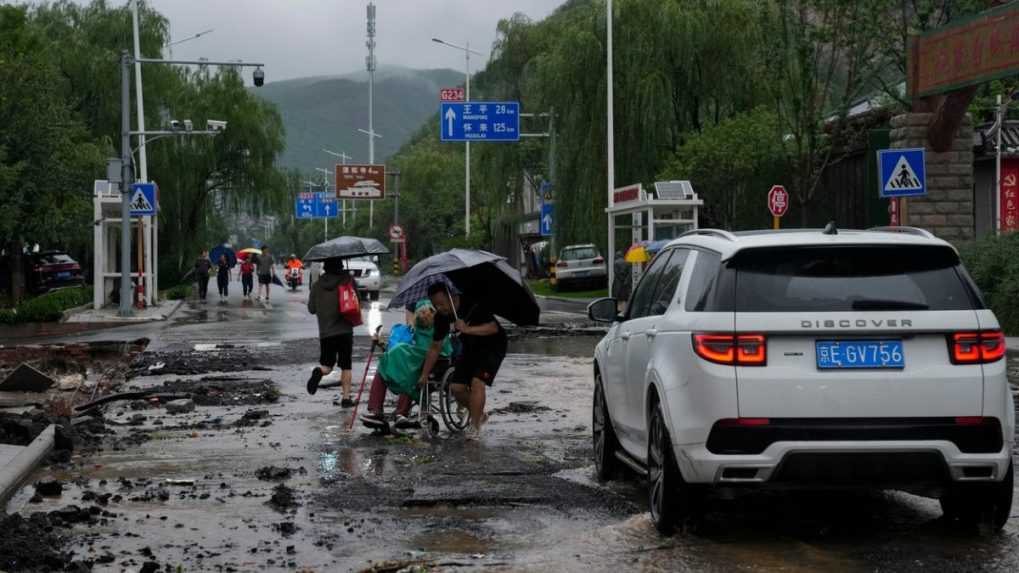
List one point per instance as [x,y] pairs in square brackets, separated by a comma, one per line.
[346,248]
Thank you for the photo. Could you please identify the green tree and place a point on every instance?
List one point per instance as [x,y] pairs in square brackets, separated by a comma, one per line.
[46,155]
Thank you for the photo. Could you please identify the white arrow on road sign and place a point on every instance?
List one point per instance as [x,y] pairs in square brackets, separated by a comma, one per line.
[450,116]
[547,221]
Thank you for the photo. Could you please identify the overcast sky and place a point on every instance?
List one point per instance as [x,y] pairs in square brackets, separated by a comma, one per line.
[322,37]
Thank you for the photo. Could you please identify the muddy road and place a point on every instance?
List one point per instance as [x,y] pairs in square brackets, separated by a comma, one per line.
[256,475]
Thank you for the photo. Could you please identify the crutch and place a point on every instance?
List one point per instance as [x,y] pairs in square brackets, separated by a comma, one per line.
[364,379]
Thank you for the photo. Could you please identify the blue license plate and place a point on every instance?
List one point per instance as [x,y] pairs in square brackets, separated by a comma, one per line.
[63,275]
[839,354]
[582,273]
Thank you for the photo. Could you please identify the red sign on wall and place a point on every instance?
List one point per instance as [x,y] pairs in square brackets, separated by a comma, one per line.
[1009,195]
[893,212]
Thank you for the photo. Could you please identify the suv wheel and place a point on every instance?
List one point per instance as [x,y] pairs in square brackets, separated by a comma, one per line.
[373,295]
[983,506]
[670,498]
[605,442]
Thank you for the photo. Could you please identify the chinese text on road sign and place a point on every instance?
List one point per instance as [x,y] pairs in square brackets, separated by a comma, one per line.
[451,94]
[778,201]
[315,206]
[361,181]
[479,121]
[143,200]
[903,172]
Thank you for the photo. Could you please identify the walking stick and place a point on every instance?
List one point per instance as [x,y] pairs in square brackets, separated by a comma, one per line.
[364,379]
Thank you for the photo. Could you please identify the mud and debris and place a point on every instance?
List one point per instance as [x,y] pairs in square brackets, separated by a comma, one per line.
[283,498]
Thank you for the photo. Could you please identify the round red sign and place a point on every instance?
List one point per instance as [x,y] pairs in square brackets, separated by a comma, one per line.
[778,200]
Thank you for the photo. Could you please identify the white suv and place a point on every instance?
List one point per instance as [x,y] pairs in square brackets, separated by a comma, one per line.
[806,359]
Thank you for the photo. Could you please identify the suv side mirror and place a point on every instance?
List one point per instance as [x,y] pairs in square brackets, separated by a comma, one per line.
[603,310]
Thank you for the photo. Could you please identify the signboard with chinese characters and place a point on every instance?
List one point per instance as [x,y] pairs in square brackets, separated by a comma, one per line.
[451,94]
[304,206]
[968,52]
[361,181]
[1009,195]
[627,194]
[479,121]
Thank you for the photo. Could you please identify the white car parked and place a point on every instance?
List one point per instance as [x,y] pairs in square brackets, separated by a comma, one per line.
[367,276]
[806,359]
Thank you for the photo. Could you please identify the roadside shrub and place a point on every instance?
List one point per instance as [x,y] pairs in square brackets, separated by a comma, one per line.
[994,264]
[178,292]
[49,307]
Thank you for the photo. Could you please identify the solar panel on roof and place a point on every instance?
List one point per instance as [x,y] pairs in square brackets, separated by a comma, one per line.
[674,190]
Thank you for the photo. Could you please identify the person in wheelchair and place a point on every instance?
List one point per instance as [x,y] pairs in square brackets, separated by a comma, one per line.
[400,368]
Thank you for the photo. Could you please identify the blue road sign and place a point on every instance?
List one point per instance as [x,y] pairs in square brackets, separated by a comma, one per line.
[326,205]
[479,121]
[143,200]
[547,218]
[903,172]
[304,207]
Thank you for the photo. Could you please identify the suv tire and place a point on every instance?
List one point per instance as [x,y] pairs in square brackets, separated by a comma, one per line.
[605,443]
[373,295]
[985,507]
[670,498]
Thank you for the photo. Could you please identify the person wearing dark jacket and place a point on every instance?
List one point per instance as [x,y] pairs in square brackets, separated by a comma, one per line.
[336,334]
[223,276]
[202,267]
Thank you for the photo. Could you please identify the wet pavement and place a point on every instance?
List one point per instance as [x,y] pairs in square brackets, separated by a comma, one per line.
[259,476]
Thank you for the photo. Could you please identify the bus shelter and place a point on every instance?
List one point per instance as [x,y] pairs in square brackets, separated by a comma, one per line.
[664,213]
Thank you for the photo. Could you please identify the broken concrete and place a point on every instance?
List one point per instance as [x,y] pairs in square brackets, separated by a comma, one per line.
[24,378]
[180,406]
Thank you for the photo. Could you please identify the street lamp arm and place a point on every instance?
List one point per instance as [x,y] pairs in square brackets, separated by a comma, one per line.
[197,62]
[189,38]
[451,45]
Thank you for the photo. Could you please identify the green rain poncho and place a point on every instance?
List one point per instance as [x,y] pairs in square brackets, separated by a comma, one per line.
[400,366]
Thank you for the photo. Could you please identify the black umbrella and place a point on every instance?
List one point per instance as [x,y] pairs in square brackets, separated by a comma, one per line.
[484,277]
[346,248]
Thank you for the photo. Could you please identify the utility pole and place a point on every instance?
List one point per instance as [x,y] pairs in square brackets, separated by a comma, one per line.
[610,132]
[125,185]
[467,149]
[370,64]
[343,204]
[146,224]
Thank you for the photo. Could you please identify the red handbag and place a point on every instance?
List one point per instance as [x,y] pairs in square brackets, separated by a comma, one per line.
[350,305]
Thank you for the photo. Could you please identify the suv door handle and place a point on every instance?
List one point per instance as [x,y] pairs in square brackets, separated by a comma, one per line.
[625,335]
[651,333]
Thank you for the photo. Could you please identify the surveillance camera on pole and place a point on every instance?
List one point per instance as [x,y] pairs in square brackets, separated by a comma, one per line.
[258,76]
[189,125]
[176,125]
[215,125]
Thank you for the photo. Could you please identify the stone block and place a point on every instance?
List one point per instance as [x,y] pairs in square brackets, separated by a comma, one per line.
[947,207]
[961,219]
[960,195]
[944,158]
[931,220]
[943,182]
[919,207]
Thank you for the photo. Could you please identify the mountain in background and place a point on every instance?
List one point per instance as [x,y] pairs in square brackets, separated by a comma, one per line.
[327,111]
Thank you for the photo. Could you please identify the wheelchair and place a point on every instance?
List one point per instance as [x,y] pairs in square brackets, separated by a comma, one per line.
[436,401]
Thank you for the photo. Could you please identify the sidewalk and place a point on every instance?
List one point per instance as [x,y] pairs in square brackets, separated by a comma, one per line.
[111,315]
[1012,345]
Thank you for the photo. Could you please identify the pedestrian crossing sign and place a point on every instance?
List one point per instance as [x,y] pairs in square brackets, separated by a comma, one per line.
[143,200]
[903,172]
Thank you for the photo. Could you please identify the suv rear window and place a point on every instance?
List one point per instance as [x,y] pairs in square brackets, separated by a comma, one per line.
[579,253]
[54,258]
[851,278]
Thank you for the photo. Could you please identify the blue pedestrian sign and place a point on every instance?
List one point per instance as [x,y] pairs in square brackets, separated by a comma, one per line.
[143,200]
[304,207]
[903,172]
[547,218]
[479,121]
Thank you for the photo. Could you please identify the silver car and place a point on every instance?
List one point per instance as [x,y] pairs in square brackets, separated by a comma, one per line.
[581,264]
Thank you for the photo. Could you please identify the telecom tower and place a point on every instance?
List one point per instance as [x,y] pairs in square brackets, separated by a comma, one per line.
[369,61]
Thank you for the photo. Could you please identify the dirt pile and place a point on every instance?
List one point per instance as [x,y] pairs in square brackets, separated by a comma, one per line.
[226,390]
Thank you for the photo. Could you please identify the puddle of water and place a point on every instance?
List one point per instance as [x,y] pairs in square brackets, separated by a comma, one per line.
[452,541]
[571,346]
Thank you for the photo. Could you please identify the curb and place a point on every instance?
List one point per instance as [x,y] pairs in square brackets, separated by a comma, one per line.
[177,305]
[18,469]
[67,314]
[582,301]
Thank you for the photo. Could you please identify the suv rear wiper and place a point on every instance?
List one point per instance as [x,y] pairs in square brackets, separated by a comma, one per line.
[883,304]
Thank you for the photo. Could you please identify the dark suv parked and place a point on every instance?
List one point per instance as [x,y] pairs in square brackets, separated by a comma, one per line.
[48,270]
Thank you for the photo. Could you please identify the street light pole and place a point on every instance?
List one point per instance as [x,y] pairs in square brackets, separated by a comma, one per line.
[467,145]
[125,185]
[370,61]
[610,132]
[343,204]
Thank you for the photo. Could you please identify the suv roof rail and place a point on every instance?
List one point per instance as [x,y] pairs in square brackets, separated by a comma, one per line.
[711,232]
[904,229]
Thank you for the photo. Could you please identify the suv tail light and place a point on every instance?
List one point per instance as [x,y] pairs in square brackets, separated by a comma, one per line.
[734,349]
[599,260]
[976,347]
[562,264]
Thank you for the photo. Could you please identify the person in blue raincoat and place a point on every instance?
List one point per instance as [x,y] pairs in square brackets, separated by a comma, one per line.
[400,368]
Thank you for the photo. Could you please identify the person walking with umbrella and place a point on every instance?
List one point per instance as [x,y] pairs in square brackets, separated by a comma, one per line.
[202,267]
[247,277]
[336,333]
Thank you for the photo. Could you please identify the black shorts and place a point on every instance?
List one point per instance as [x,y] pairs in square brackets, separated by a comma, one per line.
[265,279]
[335,350]
[477,365]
